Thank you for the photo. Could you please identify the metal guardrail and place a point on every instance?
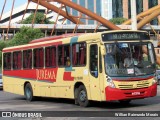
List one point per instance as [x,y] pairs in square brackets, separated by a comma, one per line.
[82,27]
[50,26]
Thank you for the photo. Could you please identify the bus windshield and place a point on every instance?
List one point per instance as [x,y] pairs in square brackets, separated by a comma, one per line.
[129,59]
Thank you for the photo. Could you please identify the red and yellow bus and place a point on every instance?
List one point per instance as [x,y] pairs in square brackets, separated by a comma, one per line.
[103,66]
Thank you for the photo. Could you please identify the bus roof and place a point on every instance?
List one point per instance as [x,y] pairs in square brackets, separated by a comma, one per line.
[56,37]
[43,41]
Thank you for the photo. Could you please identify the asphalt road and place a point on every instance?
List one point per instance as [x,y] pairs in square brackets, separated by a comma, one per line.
[12,102]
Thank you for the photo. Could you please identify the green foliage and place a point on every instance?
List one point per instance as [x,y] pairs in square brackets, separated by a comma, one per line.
[2,45]
[38,19]
[157,67]
[51,22]
[24,36]
[0,60]
[117,21]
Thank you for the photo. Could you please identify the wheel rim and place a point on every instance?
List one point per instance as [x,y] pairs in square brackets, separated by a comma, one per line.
[82,96]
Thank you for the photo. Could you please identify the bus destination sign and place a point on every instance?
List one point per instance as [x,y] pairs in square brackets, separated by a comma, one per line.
[125,36]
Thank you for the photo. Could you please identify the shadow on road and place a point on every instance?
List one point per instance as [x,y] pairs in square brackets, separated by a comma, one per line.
[102,105]
[115,105]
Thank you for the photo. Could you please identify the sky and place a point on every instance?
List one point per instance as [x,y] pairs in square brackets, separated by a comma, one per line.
[8,6]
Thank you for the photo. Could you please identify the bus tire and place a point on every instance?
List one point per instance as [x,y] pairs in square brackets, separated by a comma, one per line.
[125,102]
[82,96]
[28,91]
[76,96]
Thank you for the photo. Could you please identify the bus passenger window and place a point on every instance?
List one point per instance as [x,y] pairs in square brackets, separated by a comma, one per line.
[7,61]
[17,60]
[94,60]
[50,56]
[68,62]
[79,54]
[38,58]
[27,59]
[64,55]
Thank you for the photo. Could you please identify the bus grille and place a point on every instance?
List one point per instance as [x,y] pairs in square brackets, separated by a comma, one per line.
[134,86]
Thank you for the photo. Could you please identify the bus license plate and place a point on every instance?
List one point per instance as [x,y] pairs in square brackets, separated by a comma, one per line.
[136,93]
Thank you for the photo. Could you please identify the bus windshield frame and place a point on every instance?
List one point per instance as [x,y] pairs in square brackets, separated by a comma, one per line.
[118,55]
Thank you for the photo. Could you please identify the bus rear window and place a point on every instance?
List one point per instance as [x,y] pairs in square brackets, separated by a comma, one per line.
[17,60]
[7,61]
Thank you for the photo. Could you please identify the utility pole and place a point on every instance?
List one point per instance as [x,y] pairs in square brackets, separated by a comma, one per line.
[133,15]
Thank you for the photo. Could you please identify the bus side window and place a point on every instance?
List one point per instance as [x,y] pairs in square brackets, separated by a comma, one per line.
[38,58]
[94,60]
[60,56]
[50,56]
[47,56]
[27,59]
[17,60]
[7,61]
[54,56]
[79,54]
[64,55]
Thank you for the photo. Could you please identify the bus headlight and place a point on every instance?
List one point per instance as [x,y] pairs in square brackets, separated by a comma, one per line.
[154,80]
[110,82]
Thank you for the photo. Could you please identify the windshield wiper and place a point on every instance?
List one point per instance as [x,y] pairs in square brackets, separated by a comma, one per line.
[140,73]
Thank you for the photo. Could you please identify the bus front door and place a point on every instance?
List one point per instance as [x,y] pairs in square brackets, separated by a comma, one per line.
[94,73]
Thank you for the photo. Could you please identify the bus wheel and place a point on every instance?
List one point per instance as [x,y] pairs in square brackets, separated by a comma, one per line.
[82,96]
[76,96]
[28,92]
[124,102]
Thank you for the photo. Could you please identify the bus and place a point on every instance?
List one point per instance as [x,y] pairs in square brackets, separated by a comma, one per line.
[115,65]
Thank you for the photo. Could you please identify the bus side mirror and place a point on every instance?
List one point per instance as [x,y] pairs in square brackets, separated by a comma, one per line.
[103,50]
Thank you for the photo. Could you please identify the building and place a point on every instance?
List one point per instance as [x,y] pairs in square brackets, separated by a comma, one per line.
[106,8]
[19,11]
[93,5]
[113,8]
[142,5]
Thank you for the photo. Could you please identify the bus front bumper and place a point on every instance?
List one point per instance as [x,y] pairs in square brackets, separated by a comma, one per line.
[118,94]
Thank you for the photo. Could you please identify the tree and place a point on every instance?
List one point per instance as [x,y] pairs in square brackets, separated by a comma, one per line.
[38,19]
[24,36]
[0,58]
[2,45]
[118,21]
